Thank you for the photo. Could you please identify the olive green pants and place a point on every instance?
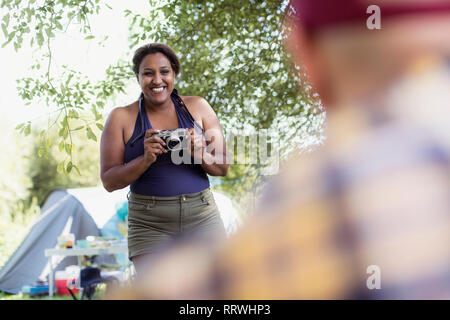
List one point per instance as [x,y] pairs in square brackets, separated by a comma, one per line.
[154,220]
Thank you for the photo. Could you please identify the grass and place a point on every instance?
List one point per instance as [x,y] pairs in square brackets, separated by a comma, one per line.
[98,295]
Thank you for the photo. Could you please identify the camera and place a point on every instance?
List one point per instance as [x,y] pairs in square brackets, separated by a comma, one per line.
[173,138]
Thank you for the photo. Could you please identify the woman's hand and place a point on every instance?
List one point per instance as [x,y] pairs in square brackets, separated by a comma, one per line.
[196,145]
[153,146]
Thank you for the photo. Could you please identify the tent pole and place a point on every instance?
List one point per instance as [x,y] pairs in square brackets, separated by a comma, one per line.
[50,287]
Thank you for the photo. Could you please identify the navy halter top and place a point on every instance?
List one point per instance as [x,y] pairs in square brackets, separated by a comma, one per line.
[164,178]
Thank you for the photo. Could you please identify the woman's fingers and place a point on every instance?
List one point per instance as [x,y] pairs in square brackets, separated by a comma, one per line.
[150,132]
[156,148]
[154,140]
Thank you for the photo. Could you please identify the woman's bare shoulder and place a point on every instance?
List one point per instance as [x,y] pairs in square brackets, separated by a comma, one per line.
[124,113]
[193,99]
[197,104]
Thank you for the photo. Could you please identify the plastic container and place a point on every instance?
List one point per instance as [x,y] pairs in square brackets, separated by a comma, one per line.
[36,290]
[66,240]
[82,244]
[62,278]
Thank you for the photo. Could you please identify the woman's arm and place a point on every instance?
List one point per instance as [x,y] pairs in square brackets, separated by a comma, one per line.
[213,155]
[114,173]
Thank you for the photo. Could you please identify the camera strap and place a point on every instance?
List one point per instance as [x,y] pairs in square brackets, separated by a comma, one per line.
[184,106]
[141,135]
[178,100]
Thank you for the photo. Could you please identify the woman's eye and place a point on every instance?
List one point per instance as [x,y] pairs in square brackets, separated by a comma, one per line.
[149,74]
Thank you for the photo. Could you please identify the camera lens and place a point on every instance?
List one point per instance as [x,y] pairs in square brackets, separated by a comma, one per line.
[173,143]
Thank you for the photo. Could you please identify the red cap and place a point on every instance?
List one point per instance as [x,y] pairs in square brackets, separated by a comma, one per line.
[319,14]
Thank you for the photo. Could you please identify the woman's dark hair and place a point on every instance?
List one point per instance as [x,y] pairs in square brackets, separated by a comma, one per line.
[141,52]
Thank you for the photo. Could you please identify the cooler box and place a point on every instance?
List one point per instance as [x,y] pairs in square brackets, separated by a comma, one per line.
[62,278]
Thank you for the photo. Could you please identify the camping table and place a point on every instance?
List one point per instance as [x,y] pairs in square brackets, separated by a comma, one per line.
[79,252]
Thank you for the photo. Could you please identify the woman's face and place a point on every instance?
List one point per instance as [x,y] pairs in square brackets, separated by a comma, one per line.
[156,78]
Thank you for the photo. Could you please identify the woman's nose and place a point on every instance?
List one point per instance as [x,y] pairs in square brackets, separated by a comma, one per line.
[157,78]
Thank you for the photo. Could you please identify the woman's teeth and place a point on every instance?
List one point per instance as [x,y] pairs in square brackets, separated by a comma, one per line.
[158,89]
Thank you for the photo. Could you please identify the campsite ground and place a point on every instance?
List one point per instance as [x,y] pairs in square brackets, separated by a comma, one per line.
[99,292]
[11,235]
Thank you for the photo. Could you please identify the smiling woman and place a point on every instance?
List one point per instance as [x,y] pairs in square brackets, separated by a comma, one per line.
[166,197]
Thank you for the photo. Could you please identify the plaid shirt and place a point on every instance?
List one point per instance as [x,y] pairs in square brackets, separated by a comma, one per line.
[377,193]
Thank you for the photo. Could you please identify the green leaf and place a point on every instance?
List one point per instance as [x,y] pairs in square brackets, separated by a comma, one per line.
[40,38]
[65,132]
[58,25]
[60,168]
[100,126]
[27,129]
[6,19]
[74,114]
[90,134]
[49,33]
[5,30]
[76,168]
[68,148]
[89,37]
[10,37]
[41,151]
[61,146]
[69,167]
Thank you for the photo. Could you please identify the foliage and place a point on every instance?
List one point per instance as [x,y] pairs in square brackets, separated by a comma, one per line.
[11,235]
[39,20]
[68,91]
[47,173]
[231,53]
[75,95]
[29,174]
[243,184]
[15,183]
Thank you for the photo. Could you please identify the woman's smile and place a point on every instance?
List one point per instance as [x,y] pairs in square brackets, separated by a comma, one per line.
[158,90]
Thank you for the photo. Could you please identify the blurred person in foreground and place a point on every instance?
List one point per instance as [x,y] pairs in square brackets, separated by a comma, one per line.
[374,198]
